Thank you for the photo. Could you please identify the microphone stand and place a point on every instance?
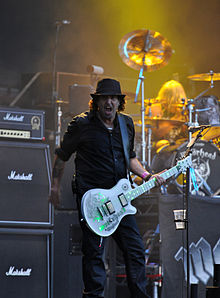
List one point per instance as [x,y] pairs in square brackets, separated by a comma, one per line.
[54,85]
[56,109]
[188,178]
[190,145]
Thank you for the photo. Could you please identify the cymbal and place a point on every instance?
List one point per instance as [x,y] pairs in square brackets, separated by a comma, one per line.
[210,76]
[145,48]
[151,101]
[129,94]
[156,101]
[159,122]
[209,133]
[162,127]
[48,103]
[60,101]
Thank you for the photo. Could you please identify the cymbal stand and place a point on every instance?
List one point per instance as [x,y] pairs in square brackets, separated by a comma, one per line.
[210,86]
[143,136]
[149,136]
[140,83]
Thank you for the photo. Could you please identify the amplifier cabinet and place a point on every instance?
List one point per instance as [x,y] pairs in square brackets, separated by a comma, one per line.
[26,263]
[25,180]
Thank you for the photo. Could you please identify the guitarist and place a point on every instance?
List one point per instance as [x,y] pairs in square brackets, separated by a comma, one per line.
[100,162]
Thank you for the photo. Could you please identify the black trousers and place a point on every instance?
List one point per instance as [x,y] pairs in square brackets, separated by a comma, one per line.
[128,239]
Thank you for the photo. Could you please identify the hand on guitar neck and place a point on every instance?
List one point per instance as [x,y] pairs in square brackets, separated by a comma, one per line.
[159,180]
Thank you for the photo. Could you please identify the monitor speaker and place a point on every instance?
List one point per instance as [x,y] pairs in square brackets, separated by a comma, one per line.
[68,281]
[25,269]
[25,184]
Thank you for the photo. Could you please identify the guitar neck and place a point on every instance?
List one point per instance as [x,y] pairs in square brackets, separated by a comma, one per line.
[136,192]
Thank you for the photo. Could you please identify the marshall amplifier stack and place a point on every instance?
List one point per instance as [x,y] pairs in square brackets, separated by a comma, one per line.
[26,217]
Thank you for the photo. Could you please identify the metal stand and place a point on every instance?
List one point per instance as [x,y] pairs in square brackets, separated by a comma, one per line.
[187,192]
[149,137]
[143,136]
[210,86]
[54,83]
[54,100]
[143,126]
[189,106]
[59,122]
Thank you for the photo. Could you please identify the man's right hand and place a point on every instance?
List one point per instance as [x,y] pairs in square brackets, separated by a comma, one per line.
[57,174]
[54,197]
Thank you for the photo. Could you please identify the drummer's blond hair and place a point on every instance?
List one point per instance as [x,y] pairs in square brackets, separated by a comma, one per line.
[171,93]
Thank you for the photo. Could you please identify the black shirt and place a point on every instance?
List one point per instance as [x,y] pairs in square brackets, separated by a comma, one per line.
[100,160]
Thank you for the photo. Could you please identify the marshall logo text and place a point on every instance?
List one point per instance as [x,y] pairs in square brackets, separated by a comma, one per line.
[11,117]
[15,272]
[15,176]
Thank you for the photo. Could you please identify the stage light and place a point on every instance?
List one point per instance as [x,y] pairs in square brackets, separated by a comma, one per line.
[93,69]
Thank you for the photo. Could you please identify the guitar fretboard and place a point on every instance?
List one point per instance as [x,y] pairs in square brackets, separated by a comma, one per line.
[134,193]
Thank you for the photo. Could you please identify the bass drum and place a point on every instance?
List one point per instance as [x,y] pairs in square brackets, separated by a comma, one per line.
[205,161]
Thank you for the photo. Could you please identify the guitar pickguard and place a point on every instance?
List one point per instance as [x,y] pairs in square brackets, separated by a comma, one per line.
[95,200]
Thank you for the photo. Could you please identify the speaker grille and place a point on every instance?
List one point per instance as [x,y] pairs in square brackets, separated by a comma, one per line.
[25,263]
[25,183]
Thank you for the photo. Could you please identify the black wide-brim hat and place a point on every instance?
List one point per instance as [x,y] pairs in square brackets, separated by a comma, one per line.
[108,87]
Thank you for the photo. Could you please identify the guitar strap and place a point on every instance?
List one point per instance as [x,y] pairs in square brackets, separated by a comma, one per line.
[125,141]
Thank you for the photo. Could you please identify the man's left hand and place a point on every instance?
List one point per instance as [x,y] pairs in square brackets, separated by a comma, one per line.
[158,179]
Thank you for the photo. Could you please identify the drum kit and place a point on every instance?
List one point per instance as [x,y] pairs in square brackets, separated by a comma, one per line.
[147,50]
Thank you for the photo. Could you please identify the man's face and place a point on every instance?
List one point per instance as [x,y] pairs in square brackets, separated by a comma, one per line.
[108,106]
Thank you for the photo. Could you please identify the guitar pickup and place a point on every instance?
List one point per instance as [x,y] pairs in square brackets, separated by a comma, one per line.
[100,212]
[123,200]
[110,207]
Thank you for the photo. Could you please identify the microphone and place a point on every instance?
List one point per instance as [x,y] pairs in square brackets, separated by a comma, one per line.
[195,128]
[62,22]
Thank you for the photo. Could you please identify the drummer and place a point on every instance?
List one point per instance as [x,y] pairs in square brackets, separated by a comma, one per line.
[170,106]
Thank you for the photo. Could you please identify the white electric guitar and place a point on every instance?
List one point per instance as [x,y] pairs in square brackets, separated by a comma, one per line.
[103,209]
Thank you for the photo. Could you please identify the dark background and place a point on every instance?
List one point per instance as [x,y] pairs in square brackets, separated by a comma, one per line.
[27,37]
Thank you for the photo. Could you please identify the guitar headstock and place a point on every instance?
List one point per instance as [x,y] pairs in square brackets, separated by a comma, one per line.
[185,163]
